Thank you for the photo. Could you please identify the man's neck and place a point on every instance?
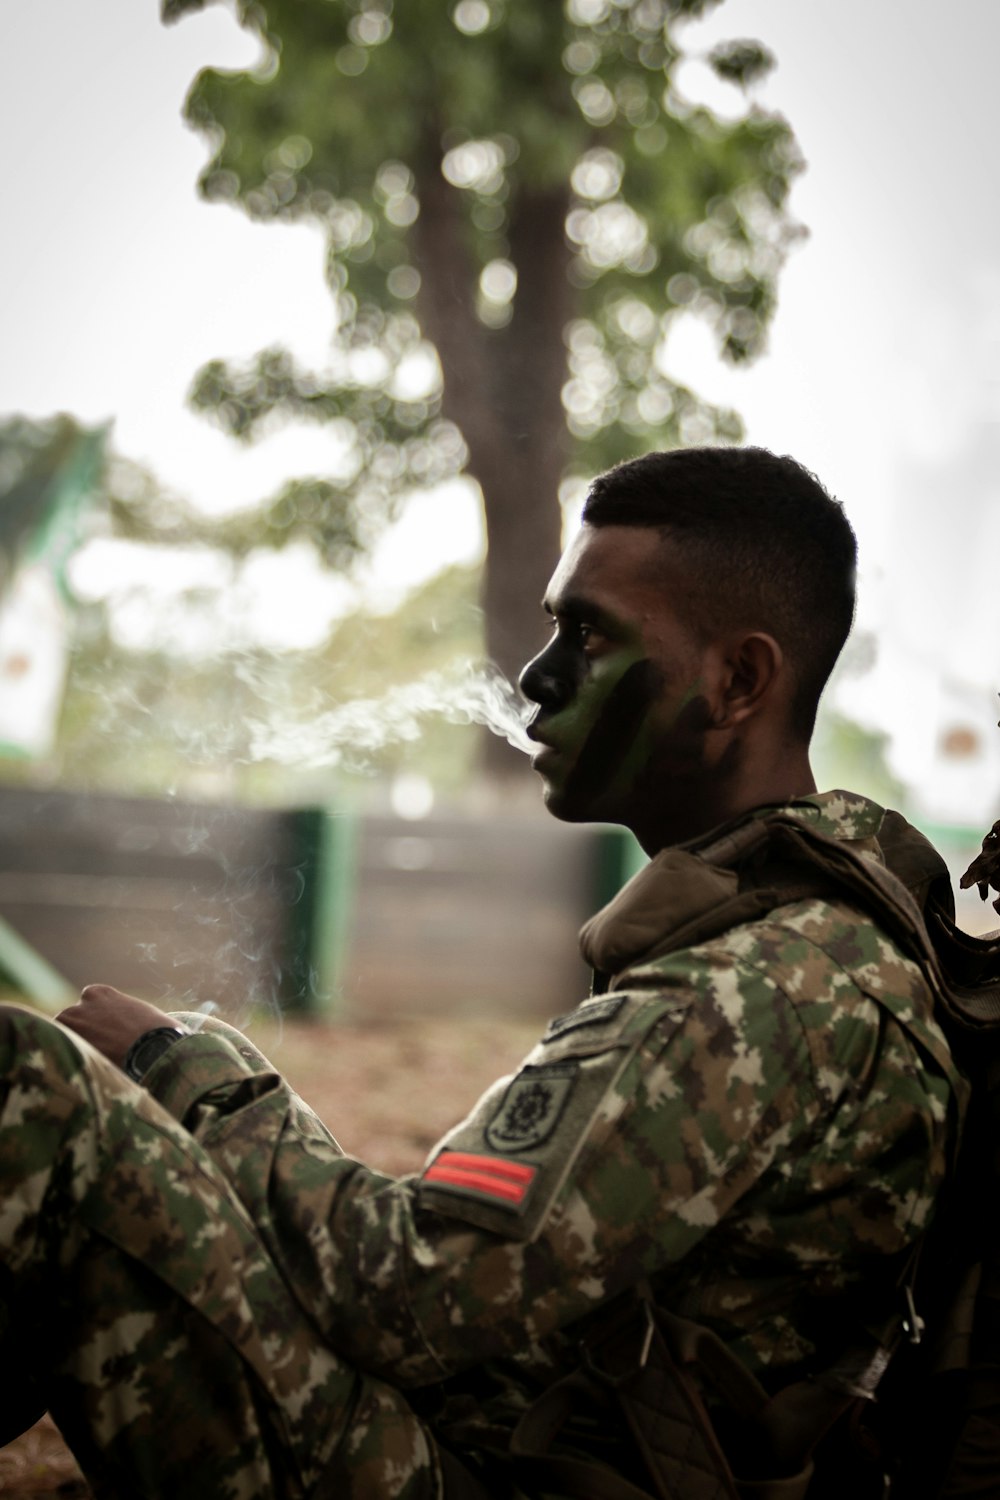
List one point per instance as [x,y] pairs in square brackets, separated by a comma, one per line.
[784,780]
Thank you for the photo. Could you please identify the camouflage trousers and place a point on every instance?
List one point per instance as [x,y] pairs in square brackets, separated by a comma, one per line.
[145,1279]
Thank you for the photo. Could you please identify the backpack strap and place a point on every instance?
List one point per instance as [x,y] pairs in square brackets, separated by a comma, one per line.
[576,1478]
[732,878]
[628,1369]
[655,1368]
[689,895]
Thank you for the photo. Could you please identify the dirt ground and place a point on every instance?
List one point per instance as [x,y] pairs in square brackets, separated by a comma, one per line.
[387,1092]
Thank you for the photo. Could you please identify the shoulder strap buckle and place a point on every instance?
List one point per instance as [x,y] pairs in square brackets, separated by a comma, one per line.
[913,1323]
[619,1355]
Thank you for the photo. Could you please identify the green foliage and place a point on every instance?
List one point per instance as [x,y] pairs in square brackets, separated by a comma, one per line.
[846,754]
[141,510]
[316,509]
[438,623]
[48,469]
[143,723]
[368,655]
[388,444]
[150,723]
[741,62]
[429,142]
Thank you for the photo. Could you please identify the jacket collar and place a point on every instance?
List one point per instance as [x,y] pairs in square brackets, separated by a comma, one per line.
[686,881]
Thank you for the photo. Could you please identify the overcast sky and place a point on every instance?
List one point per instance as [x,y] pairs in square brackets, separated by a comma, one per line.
[116,283]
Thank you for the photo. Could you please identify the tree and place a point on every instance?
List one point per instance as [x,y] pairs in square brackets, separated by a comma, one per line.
[517,202]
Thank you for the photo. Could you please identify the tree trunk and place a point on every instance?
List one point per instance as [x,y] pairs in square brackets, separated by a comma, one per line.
[520,479]
[502,389]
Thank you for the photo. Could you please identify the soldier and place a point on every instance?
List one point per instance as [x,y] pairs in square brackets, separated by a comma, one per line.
[748,1122]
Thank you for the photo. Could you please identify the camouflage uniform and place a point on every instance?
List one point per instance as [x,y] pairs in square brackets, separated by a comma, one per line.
[756,1124]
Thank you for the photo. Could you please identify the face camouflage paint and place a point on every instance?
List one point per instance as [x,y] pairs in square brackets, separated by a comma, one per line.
[591,713]
[613,738]
[621,690]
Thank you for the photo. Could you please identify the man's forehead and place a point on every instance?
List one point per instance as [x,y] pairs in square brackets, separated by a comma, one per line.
[605,563]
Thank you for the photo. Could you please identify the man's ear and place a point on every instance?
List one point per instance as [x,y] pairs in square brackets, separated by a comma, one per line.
[754,665]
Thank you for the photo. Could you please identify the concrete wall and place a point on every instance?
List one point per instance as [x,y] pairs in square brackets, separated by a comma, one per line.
[460,916]
[185,903]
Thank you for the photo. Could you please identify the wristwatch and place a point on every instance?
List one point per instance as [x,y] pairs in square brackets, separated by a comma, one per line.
[147,1048]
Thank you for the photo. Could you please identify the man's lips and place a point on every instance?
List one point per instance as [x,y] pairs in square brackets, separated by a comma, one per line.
[543,757]
[546,750]
[535,730]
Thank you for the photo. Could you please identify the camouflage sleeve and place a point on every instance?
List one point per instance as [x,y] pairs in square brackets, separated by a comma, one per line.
[203,1071]
[635,1124]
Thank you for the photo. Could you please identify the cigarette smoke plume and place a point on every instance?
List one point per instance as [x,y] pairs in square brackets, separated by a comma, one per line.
[466,693]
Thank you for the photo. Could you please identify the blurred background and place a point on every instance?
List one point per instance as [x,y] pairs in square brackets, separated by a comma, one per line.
[316,327]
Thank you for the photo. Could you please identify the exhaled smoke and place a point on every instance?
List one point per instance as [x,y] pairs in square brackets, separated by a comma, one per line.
[466,693]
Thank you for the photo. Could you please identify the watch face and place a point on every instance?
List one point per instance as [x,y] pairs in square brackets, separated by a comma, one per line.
[148,1047]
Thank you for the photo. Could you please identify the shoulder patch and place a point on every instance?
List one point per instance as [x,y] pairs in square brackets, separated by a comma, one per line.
[531,1107]
[503,1167]
[590,1013]
[488,1178]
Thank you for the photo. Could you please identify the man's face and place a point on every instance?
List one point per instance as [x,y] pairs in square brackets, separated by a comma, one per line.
[622,714]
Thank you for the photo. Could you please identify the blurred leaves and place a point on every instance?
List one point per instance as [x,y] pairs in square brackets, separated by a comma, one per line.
[388,442]
[148,721]
[358,108]
[846,753]
[517,205]
[741,62]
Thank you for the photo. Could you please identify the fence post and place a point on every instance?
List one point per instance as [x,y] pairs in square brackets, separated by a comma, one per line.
[319,923]
[618,856]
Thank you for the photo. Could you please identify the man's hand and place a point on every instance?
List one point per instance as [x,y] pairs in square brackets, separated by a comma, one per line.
[111,1021]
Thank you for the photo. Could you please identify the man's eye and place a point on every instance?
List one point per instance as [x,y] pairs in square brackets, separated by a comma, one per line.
[589,638]
[576,632]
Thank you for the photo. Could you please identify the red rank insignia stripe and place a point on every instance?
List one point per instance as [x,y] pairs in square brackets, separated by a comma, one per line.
[507,1181]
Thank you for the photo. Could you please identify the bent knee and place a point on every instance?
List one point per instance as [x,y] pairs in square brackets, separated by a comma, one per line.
[46,1109]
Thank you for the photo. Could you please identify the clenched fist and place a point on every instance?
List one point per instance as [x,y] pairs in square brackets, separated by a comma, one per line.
[111,1021]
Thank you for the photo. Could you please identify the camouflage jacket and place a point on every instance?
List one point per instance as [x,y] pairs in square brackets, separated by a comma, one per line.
[757,1124]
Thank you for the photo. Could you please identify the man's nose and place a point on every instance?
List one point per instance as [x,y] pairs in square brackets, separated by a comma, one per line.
[545,683]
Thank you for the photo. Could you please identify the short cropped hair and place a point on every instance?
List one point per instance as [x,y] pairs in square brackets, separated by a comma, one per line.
[763,545]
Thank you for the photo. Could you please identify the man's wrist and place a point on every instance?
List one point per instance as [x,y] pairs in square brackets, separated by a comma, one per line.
[148,1047]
